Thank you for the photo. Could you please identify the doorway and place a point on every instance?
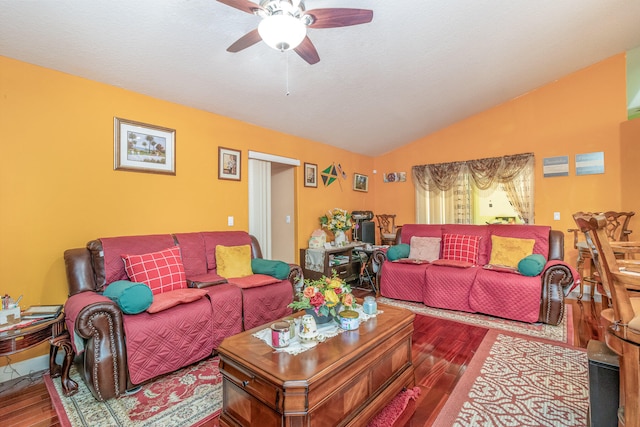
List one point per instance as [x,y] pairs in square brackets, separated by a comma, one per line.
[272,204]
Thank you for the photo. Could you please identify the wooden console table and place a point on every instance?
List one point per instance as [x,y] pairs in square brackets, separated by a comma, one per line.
[347,271]
[344,381]
[52,331]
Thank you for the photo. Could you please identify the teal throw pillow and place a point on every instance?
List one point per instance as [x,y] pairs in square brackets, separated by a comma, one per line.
[532,265]
[131,297]
[277,269]
[398,251]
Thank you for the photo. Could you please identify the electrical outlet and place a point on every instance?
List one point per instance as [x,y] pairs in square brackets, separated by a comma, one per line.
[230,221]
[556,216]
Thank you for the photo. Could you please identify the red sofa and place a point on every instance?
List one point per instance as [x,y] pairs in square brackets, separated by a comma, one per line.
[478,289]
[120,350]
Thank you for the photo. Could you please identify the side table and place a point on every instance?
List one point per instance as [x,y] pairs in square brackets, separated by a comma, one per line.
[52,331]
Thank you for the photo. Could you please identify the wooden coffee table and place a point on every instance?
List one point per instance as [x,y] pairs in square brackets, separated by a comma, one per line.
[343,381]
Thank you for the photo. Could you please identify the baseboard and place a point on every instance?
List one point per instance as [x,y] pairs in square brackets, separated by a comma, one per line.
[26,367]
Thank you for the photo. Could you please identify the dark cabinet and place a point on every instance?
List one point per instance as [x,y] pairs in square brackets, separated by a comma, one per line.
[321,262]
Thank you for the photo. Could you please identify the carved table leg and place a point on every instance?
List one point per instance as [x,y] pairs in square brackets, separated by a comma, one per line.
[54,369]
[580,269]
[69,386]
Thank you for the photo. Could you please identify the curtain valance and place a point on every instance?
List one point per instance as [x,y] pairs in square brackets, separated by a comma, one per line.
[484,172]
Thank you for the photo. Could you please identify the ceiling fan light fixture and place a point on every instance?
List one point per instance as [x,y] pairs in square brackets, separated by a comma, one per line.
[282,32]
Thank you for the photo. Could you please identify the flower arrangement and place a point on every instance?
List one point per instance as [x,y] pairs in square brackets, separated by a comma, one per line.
[336,220]
[323,295]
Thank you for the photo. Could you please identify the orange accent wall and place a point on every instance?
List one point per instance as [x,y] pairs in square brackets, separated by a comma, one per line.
[58,188]
[580,113]
[630,169]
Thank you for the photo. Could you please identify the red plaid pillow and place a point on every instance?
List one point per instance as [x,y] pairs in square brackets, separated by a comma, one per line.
[460,247]
[161,271]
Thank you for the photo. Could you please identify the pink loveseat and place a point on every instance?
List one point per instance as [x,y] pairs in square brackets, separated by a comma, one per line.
[478,289]
[121,350]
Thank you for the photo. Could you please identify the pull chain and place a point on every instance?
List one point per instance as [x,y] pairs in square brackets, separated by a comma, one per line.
[287,78]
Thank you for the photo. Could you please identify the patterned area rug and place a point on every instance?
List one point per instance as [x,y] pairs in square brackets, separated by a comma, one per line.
[514,381]
[188,397]
[561,333]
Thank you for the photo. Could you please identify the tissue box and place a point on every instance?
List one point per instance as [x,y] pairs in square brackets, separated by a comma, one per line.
[318,239]
[9,315]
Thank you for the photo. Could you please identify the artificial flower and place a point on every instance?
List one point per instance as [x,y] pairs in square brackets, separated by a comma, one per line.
[324,296]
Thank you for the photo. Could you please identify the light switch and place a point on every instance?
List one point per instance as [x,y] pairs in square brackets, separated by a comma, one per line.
[230,221]
[556,216]
[287,219]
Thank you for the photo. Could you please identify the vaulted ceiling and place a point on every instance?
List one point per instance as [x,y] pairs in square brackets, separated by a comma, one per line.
[419,66]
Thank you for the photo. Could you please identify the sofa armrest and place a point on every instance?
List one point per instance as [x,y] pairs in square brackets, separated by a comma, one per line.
[378,257]
[295,275]
[99,321]
[556,277]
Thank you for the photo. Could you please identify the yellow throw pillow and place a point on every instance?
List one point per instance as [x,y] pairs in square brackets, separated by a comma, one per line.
[509,250]
[233,261]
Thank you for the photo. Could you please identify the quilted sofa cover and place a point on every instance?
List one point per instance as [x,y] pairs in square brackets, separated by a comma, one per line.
[480,290]
[120,351]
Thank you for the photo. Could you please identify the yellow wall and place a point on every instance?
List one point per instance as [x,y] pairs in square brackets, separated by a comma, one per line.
[580,113]
[58,188]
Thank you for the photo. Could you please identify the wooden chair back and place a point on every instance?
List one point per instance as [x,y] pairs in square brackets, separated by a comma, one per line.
[388,229]
[617,228]
[622,334]
[608,265]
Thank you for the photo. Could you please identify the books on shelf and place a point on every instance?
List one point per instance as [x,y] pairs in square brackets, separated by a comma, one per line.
[335,260]
[42,312]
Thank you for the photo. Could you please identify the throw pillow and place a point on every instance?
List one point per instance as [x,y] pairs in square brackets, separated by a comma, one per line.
[172,298]
[508,251]
[161,271]
[233,261]
[452,263]
[277,269]
[532,265]
[425,248]
[132,298]
[461,247]
[398,251]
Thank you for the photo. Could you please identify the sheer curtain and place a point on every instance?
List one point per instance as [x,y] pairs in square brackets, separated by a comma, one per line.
[445,199]
[444,190]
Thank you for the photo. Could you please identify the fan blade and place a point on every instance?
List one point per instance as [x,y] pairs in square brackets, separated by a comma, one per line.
[307,51]
[331,18]
[243,5]
[245,41]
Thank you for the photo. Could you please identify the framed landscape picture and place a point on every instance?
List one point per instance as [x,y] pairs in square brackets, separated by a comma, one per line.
[360,182]
[310,175]
[229,163]
[140,147]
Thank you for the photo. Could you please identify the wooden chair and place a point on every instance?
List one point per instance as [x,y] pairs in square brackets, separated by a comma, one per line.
[617,230]
[388,229]
[621,280]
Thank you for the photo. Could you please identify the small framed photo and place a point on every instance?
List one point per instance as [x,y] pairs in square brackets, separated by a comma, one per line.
[140,147]
[229,164]
[310,175]
[360,182]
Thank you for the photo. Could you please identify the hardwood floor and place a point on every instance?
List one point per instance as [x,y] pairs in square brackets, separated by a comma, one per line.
[441,351]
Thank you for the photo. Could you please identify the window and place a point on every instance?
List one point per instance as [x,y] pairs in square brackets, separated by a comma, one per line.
[467,192]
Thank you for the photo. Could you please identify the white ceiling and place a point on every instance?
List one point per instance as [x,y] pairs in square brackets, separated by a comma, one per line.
[419,66]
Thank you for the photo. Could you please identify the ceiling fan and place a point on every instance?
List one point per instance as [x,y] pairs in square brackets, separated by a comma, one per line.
[284,24]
